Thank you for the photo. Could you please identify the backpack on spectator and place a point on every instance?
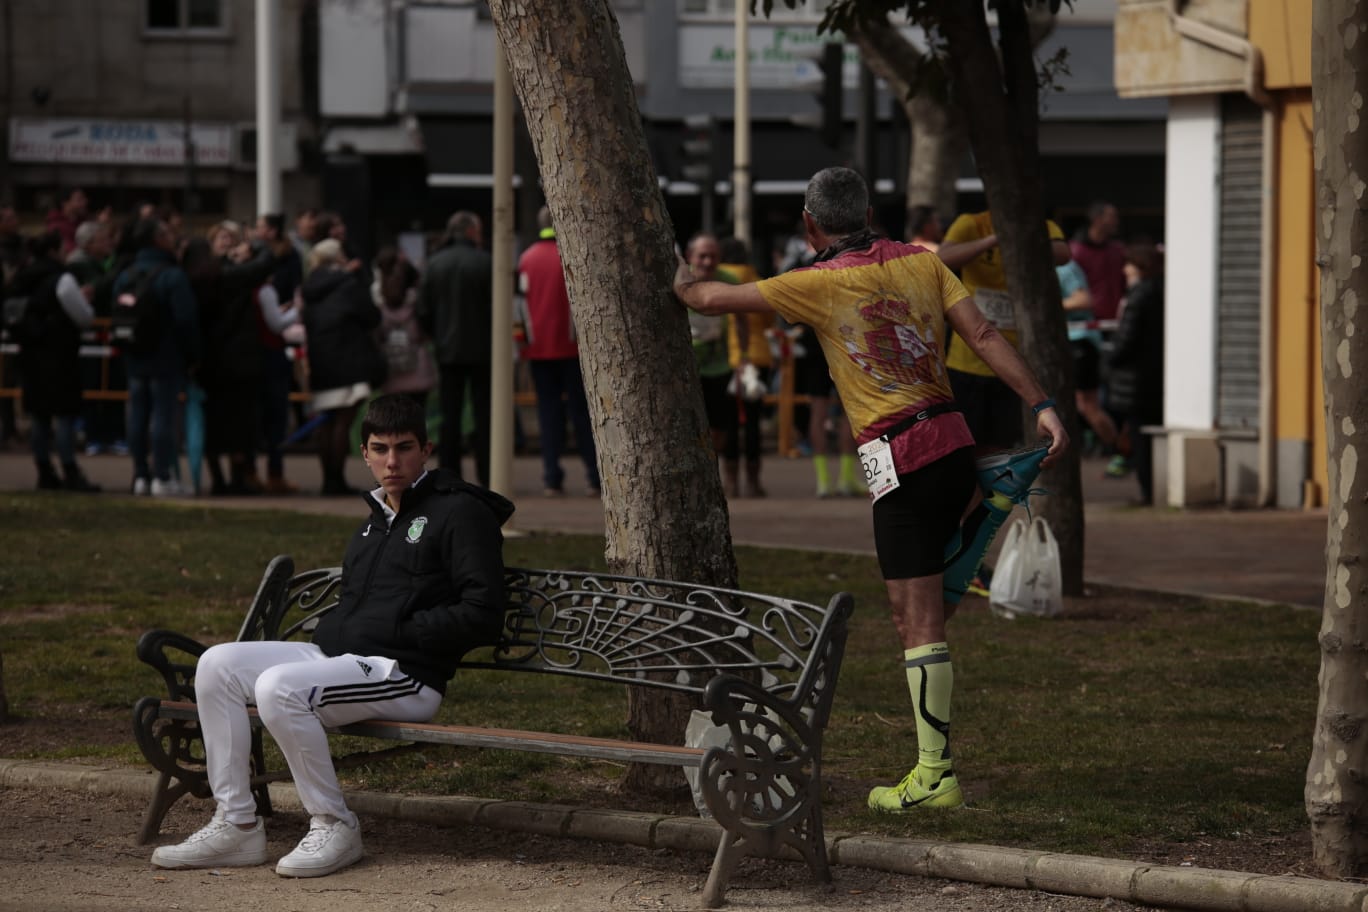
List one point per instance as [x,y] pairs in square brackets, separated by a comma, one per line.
[135,323]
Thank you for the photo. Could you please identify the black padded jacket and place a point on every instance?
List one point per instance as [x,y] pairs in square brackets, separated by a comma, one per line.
[427,588]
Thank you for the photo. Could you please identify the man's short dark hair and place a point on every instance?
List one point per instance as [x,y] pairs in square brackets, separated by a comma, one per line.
[460,224]
[395,414]
[838,201]
[275,221]
[918,217]
[700,236]
[145,233]
[1097,209]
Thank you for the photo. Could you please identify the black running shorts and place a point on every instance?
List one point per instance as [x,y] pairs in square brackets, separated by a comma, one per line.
[991,409]
[914,522]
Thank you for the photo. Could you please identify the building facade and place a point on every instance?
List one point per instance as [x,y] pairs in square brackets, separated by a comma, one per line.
[103,96]
[1243,404]
[387,110]
[406,100]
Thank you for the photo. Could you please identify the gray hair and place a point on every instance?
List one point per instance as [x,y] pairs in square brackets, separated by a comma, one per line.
[86,232]
[838,201]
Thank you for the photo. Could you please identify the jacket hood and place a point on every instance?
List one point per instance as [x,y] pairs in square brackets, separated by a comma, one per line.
[444,480]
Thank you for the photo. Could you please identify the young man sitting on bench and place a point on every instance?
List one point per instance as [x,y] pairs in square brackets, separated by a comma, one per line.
[422,583]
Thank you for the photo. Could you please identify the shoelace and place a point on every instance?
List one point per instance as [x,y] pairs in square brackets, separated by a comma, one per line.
[317,836]
[212,828]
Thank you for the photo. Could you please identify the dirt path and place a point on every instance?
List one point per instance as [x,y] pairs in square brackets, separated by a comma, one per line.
[66,851]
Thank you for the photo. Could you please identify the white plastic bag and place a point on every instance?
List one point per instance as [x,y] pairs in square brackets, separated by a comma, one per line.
[746,382]
[1027,579]
[703,732]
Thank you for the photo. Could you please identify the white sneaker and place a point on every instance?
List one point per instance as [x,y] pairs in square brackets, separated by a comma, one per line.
[330,846]
[219,845]
[141,487]
[168,488]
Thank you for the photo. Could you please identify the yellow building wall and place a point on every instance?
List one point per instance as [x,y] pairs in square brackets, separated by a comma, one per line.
[1281,29]
[1299,402]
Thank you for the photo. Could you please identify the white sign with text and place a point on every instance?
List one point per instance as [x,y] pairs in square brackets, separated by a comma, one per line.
[118,142]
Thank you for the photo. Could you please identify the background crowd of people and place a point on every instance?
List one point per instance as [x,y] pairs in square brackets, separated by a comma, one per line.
[251,314]
[211,366]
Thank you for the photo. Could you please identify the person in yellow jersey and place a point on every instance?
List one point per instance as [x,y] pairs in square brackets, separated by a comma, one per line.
[990,406]
[880,308]
[752,363]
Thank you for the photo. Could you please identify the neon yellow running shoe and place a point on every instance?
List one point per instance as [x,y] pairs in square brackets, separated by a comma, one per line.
[911,795]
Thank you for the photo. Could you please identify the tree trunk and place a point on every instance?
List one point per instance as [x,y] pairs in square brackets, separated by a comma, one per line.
[4,701]
[938,140]
[1336,790]
[664,510]
[1001,104]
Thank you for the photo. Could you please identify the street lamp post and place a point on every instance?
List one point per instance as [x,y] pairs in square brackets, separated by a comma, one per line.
[268,106]
[741,175]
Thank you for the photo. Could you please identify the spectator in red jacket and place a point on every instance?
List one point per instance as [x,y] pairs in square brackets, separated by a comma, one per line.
[553,358]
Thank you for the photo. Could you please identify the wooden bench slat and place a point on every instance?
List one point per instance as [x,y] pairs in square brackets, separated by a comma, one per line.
[499,738]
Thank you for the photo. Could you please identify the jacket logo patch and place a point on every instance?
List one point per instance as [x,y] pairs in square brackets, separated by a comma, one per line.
[365,669]
[415,529]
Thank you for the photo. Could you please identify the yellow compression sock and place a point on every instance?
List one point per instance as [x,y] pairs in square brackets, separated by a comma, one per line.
[819,465]
[930,678]
[850,476]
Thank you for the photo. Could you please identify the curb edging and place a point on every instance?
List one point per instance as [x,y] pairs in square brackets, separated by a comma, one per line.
[1201,889]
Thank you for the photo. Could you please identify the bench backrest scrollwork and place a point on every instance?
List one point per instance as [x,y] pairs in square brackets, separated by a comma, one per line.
[653,633]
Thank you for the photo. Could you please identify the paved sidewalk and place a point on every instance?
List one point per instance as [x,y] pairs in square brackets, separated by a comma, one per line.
[1048,873]
[1261,555]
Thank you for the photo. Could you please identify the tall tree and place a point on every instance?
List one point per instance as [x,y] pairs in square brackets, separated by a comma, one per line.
[664,510]
[1336,790]
[916,80]
[937,139]
[996,87]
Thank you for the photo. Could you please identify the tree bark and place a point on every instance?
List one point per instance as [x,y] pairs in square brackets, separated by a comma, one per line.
[1001,104]
[1336,790]
[4,701]
[664,510]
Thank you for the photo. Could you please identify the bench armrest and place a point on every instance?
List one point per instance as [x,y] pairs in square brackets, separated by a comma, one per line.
[174,656]
[754,716]
[767,778]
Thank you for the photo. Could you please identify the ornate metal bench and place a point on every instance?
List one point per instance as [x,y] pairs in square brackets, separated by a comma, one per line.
[766,667]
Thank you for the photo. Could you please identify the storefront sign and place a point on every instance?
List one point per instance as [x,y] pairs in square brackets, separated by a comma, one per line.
[781,56]
[118,142]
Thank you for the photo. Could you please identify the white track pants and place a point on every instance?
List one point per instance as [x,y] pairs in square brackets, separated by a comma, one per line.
[298,691]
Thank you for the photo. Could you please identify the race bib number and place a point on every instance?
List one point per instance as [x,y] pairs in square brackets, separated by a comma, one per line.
[876,457]
[996,307]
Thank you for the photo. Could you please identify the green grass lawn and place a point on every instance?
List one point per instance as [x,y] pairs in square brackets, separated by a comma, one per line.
[1128,719]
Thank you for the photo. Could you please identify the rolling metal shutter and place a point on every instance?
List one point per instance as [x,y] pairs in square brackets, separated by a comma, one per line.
[1237,307]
